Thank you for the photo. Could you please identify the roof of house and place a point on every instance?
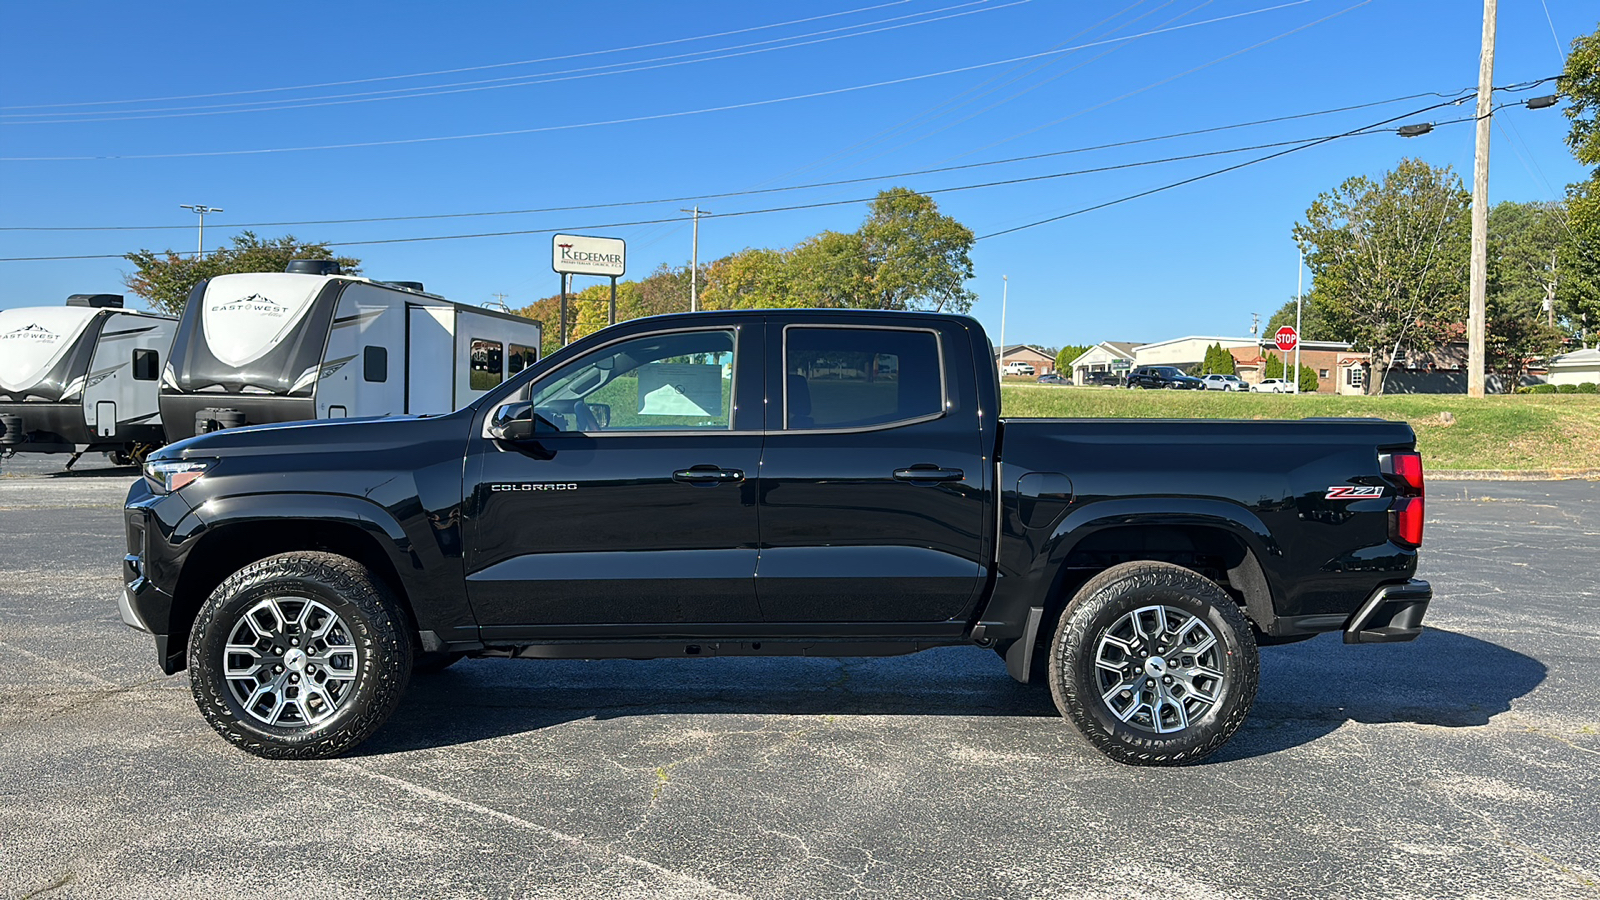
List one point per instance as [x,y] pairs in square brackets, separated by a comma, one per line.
[1014,348]
[1120,349]
[1576,358]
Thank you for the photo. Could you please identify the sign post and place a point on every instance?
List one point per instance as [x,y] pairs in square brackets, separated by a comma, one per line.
[1287,339]
[576,254]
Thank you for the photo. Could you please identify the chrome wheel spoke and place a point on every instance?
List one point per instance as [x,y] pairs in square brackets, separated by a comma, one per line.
[290,662]
[1158,669]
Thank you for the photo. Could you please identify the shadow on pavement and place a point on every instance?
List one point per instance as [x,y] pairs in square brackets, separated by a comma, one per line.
[1308,690]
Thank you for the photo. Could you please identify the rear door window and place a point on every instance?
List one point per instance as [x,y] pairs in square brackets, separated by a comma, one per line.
[840,378]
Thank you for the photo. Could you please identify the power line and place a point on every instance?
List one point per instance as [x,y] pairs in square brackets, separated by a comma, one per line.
[1293,145]
[1260,159]
[655,116]
[464,87]
[772,190]
[524,62]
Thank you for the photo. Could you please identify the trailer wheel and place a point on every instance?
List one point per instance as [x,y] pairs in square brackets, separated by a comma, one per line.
[299,656]
[1154,664]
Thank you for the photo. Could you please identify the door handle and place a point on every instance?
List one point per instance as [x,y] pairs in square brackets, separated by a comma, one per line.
[708,475]
[926,474]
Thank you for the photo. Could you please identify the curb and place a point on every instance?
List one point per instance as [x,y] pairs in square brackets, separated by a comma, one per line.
[1513,474]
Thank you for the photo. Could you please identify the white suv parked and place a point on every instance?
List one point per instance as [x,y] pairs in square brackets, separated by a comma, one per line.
[1273,386]
[1218,382]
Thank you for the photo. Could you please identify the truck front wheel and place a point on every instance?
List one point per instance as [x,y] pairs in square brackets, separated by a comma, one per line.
[1154,664]
[299,656]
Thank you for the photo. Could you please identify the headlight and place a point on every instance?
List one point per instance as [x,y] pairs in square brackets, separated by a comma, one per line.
[168,475]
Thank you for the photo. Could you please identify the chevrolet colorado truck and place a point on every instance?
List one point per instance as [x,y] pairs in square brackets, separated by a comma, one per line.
[768,483]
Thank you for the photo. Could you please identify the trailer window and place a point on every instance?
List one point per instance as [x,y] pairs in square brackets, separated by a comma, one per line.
[146,365]
[860,377]
[520,358]
[488,364]
[375,364]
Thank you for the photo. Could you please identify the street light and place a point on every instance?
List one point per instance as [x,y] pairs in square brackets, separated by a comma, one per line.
[201,210]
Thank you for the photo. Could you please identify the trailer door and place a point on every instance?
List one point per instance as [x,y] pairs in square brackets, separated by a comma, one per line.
[430,360]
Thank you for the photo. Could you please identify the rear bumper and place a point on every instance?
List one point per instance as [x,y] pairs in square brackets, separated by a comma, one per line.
[1392,614]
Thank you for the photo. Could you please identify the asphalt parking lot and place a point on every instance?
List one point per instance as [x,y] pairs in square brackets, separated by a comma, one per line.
[1466,764]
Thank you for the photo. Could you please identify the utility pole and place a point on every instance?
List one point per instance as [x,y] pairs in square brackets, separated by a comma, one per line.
[500,301]
[694,259]
[1299,302]
[1005,288]
[1255,324]
[201,210]
[1477,314]
[1550,293]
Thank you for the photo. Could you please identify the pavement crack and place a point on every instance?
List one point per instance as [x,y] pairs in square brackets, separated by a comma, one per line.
[571,842]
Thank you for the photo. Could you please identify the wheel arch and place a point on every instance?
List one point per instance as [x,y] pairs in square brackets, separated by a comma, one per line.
[225,547]
[1223,541]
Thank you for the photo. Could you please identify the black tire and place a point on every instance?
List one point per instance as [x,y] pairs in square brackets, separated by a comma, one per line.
[356,693]
[1089,634]
[432,663]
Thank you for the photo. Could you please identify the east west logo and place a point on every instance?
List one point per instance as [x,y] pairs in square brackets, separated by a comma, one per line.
[31,332]
[255,303]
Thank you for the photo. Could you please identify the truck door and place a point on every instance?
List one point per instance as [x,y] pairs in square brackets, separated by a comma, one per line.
[873,477]
[635,502]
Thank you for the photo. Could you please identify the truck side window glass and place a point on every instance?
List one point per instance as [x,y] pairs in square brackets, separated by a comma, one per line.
[660,382]
[375,364]
[488,364]
[146,365]
[519,357]
[860,377]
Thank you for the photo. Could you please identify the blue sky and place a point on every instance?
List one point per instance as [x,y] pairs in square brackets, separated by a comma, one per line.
[746,96]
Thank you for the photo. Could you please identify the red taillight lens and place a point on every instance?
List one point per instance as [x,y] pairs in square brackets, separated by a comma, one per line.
[1406,521]
[1405,517]
[1409,467]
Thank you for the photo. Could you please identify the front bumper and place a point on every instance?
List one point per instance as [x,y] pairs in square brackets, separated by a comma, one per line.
[1392,614]
[149,574]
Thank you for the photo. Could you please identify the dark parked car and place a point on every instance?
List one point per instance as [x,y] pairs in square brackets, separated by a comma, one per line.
[1169,377]
[1103,378]
[1052,378]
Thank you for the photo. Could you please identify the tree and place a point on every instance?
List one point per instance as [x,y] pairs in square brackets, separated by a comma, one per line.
[1525,244]
[1067,354]
[1218,360]
[165,279]
[1274,367]
[1313,320]
[1578,293]
[916,258]
[1389,259]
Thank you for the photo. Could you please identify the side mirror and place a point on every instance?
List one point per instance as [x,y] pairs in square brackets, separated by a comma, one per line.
[513,422]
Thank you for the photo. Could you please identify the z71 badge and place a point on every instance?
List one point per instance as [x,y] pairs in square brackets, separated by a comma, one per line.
[1354,491]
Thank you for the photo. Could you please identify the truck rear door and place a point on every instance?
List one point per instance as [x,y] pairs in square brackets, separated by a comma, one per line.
[873,489]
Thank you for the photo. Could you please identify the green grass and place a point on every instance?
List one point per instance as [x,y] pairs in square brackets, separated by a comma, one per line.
[1525,431]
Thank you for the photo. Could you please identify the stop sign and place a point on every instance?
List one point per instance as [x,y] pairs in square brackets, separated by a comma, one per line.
[1286,338]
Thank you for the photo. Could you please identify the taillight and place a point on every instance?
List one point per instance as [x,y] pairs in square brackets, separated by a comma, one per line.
[1405,517]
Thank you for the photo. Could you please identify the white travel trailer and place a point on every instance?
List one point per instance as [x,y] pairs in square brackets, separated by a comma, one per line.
[82,377]
[311,343]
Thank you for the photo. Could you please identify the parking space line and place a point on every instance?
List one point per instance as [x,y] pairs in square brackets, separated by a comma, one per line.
[575,843]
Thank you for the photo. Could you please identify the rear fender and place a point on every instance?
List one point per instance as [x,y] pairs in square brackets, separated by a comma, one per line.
[1042,586]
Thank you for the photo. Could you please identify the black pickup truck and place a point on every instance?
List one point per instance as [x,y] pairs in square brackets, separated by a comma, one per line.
[795,482]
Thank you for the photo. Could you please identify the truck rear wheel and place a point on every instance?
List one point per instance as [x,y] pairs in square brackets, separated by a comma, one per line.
[299,656]
[1154,664]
